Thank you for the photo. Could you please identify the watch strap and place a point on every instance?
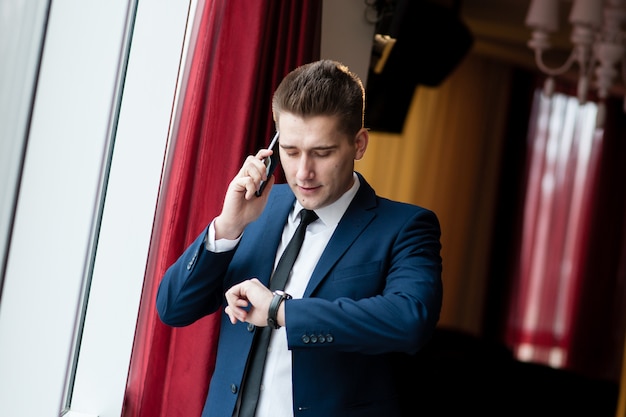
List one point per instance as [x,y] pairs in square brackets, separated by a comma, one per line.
[279,297]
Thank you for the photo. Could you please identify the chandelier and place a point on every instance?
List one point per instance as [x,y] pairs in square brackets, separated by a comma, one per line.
[598,44]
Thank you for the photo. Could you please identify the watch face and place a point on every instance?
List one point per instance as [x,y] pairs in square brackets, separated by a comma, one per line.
[282,294]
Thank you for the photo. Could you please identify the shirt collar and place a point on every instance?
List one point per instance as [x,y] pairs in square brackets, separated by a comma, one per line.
[331,214]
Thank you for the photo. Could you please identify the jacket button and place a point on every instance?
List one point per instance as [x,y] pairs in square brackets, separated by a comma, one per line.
[305,338]
[321,338]
[313,338]
[233,388]
[250,327]
[329,338]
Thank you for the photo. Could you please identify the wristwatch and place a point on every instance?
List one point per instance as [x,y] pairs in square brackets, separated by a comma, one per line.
[279,297]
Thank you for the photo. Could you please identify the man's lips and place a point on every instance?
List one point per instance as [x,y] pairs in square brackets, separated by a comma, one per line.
[304,189]
[308,188]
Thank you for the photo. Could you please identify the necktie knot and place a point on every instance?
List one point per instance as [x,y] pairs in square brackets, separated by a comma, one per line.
[307,217]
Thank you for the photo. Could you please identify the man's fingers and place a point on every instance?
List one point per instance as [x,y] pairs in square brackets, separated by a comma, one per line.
[248,185]
[235,314]
[254,167]
[237,303]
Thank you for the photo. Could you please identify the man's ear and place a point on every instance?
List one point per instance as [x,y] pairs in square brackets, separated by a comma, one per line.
[360,143]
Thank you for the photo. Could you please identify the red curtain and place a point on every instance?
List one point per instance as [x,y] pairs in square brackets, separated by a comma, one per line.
[564,150]
[567,306]
[242,49]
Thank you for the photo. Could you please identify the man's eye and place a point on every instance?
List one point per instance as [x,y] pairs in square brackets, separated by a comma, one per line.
[323,154]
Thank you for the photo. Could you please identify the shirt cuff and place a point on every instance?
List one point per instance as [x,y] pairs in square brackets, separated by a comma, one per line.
[220,245]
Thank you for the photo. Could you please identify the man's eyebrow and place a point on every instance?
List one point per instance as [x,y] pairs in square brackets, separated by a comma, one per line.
[315,148]
[324,147]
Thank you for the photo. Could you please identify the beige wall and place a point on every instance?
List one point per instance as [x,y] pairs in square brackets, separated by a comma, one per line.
[446,159]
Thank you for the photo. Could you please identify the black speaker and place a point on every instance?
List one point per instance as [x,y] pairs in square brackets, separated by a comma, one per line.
[430,41]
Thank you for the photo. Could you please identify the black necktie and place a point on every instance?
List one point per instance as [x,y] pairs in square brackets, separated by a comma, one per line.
[252,384]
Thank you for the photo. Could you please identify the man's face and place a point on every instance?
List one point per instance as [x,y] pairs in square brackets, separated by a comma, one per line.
[317,159]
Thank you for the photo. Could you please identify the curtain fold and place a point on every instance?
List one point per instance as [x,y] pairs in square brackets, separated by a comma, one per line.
[598,339]
[568,301]
[564,154]
[242,50]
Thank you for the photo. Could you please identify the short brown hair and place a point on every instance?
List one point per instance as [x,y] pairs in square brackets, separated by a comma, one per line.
[323,88]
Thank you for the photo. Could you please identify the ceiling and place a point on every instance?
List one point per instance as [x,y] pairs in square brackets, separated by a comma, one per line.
[499,31]
[497,27]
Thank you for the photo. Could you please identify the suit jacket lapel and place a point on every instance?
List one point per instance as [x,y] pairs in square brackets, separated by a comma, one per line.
[356,218]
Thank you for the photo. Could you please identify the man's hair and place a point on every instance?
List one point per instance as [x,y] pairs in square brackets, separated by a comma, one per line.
[323,88]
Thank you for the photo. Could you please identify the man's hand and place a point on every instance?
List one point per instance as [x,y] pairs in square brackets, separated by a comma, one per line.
[241,205]
[253,294]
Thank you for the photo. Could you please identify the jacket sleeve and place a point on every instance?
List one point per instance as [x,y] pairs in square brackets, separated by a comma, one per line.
[192,287]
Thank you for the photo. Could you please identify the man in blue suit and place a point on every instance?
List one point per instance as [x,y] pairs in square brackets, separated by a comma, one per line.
[365,289]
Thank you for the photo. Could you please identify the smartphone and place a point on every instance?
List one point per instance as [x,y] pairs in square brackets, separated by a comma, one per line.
[270,163]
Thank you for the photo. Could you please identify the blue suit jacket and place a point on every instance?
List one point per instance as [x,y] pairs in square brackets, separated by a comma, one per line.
[375,293]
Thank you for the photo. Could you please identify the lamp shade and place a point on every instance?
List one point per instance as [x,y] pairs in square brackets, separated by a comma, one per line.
[543,15]
[587,12]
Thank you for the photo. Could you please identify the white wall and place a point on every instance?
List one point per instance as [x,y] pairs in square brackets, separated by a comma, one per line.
[347,35]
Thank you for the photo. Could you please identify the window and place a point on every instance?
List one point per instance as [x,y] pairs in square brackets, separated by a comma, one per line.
[95,150]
